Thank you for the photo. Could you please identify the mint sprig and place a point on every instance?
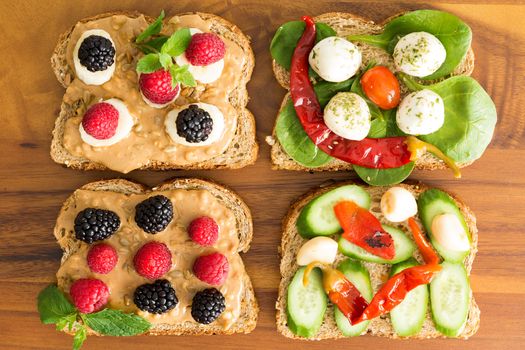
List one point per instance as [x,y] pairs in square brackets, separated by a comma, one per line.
[160,51]
[54,308]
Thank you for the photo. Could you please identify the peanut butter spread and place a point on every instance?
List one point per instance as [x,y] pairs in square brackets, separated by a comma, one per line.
[148,141]
[123,279]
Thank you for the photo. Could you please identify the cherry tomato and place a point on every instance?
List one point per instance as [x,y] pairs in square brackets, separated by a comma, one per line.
[381,86]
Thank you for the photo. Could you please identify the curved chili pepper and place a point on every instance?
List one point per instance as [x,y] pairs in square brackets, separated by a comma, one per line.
[429,255]
[340,290]
[388,152]
[396,288]
[363,229]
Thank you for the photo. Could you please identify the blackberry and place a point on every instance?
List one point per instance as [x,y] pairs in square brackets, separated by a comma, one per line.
[156,298]
[207,305]
[96,53]
[154,214]
[93,224]
[194,124]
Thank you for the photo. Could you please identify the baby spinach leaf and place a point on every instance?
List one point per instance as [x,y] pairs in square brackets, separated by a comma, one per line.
[383,177]
[386,126]
[470,117]
[454,34]
[295,141]
[291,134]
[285,40]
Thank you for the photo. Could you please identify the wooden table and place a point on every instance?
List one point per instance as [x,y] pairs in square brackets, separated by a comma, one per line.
[33,187]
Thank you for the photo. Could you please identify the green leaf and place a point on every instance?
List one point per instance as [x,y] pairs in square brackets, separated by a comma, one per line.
[386,126]
[383,177]
[149,63]
[79,338]
[154,45]
[153,29]
[182,75]
[53,305]
[165,60]
[470,118]
[454,34]
[285,40]
[295,141]
[116,323]
[177,43]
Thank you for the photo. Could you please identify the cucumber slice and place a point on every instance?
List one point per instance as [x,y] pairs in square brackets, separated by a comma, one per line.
[408,317]
[359,276]
[435,202]
[450,299]
[318,218]
[306,305]
[403,245]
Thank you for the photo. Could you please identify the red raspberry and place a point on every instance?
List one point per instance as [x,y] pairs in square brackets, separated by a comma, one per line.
[212,269]
[101,121]
[89,294]
[152,260]
[204,231]
[156,87]
[205,49]
[102,258]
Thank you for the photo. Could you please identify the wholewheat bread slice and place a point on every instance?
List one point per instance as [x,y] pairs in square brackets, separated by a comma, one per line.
[346,24]
[243,148]
[381,326]
[247,320]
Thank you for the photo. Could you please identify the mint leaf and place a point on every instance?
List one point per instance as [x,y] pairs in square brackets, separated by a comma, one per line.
[154,45]
[181,75]
[116,323]
[177,42]
[79,338]
[149,63]
[53,305]
[152,29]
[165,60]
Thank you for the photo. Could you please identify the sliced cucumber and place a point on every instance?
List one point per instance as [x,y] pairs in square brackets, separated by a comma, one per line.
[403,245]
[408,317]
[306,305]
[450,299]
[318,218]
[435,202]
[359,276]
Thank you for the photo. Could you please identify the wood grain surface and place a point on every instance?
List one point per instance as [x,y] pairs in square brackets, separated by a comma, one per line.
[33,187]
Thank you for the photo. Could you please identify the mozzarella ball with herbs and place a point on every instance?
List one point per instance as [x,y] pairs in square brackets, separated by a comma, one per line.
[419,54]
[335,59]
[421,113]
[347,115]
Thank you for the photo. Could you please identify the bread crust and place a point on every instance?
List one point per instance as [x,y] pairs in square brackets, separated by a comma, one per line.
[249,306]
[349,22]
[243,148]
[291,242]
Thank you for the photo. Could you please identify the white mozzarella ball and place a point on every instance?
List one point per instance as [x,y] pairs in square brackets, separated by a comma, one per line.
[398,204]
[335,59]
[347,115]
[421,113]
[321,249]
[450,232]
[419,54]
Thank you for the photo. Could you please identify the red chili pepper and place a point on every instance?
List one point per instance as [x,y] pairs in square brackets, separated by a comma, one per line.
[363,229]
[429,255]
[388,152]
[396,288]
[340,290]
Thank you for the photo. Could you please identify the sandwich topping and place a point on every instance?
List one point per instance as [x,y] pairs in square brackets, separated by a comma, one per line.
[165,278]
[151,95]
[94,57]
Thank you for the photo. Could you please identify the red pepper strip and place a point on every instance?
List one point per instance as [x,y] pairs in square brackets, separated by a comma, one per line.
[384,153]
[429,255]
[340,290]
[396,288]
[362,228]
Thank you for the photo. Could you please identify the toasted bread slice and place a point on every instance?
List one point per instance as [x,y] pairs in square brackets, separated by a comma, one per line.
[247,320]
[243,148]
[346,24]
[381,326]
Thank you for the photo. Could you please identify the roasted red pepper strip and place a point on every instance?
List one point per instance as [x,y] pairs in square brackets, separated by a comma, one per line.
[429,255]
[362,228]
[396,288]
[340,290]
[388,152]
